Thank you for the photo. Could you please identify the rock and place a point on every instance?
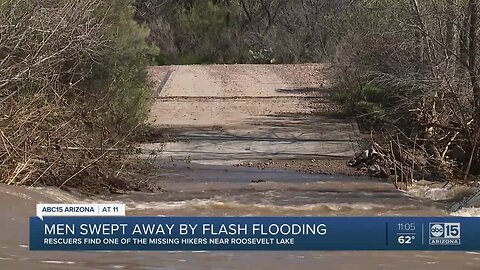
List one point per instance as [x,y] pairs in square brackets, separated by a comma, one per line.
[453,193]
[424,183]
[368,156]
[377,171]
[438,194]
[456,152]
[258,181]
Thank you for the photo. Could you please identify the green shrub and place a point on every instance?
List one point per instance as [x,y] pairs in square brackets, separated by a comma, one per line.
[369,102]
[373,93]
[122,69]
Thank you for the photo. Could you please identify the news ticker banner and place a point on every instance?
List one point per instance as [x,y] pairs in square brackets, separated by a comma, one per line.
[108,229]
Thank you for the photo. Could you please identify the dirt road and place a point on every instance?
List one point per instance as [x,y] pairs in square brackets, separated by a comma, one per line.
[228,114]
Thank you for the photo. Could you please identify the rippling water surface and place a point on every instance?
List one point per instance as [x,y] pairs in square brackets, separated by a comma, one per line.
[225,191]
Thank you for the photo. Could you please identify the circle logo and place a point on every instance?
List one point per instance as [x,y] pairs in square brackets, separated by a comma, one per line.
[436,230]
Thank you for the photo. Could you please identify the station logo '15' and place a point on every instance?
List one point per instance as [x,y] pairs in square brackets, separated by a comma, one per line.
[444,233]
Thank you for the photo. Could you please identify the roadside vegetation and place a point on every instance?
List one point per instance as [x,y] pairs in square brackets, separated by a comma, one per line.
[72,90]
[240,31]
[410,69]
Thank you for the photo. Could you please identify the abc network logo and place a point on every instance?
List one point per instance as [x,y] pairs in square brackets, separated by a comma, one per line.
[444,233]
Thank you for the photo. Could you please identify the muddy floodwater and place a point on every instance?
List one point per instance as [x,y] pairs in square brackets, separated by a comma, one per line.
[199,190]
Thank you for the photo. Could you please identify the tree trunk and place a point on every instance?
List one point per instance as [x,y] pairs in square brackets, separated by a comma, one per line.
[472,54]
[450,35]
[418,34]
[472,70]
[463,44]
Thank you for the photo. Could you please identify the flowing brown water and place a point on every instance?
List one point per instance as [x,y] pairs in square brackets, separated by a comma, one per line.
[222,191]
